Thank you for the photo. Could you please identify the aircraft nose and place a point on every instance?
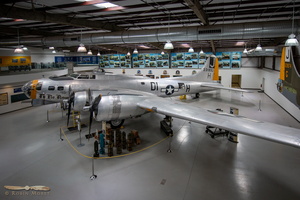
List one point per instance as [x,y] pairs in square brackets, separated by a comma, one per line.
[27,89]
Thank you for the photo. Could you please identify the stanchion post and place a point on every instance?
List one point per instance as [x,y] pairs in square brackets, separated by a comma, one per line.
[79,129]
[94,176]
[259,105]
[48,116]
[170,142]
[60,134]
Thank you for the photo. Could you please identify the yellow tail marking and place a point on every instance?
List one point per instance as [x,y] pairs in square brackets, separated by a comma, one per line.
[282,65]
[216,70]
[33,91]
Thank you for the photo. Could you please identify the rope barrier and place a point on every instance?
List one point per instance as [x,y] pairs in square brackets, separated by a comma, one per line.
[106,157]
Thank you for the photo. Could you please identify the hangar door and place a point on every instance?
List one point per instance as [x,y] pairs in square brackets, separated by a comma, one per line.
[236,81]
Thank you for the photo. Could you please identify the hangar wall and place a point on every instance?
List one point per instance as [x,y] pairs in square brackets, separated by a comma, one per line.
[270,89]
[37,55]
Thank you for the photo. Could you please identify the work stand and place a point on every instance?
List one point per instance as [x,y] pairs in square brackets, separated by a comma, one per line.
[166,125]
[216,132]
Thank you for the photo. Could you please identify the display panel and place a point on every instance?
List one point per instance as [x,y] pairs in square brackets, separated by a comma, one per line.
[3,99]
[228,60]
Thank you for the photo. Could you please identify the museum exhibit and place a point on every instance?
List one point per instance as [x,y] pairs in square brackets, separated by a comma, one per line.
[150,99]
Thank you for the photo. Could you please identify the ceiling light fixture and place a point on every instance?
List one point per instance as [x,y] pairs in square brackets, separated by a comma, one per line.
[81,47]
[90,52]
[105,5]
[135,51]
[53,51]
[201,52]
[169,44]
[98,54]
[24,48]
[258,48]
[191,50]
[18,49]
[245,50]
[128,53]
[162,53]
[292,40]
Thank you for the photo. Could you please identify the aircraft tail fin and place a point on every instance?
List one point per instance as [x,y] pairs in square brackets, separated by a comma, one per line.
[208,73]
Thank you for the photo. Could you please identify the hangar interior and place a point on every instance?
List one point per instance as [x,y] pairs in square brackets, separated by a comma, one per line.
[199,167]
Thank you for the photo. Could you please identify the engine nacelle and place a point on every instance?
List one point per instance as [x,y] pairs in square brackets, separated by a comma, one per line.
[115,107]
[82,98]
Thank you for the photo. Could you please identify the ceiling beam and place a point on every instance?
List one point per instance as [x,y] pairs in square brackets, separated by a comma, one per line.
[20,13]
[26,31]
[10,1]
[198,10]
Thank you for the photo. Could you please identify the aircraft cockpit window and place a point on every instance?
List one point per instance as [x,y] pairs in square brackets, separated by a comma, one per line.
[39,86]
[60,88]
[74,75]
[143,83]
[83,77]
[51,88]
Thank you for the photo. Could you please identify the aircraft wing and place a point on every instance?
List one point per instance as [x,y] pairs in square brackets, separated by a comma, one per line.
[209,85]
[237,124]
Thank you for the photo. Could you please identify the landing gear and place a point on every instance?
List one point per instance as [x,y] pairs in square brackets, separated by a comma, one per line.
[195,96]
[116,123]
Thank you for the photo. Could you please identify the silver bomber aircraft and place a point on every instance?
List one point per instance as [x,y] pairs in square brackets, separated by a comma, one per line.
[114,98]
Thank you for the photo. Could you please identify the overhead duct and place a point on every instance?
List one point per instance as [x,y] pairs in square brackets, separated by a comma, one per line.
[215,32]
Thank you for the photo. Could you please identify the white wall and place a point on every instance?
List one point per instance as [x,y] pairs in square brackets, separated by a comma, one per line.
[270,89]
[250,77]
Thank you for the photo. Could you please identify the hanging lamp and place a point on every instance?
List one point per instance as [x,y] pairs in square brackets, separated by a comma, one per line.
[258,48]
[169,44]
[245,50]
[81,47]
[18,49]
[191,50]
[292,40]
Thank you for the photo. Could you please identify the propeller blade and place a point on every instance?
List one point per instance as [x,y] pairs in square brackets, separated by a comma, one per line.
[71,102]
[89,97]
[94,108]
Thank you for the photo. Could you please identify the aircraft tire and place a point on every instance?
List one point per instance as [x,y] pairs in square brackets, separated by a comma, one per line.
[116,123]
[197,95]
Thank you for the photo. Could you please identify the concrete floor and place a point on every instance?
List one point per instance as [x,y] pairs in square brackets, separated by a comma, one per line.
[199,167]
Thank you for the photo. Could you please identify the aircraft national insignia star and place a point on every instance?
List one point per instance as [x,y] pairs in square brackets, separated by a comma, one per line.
[169,89]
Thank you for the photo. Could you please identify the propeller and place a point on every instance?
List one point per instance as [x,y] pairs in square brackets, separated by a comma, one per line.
[71,103]
[94,109]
